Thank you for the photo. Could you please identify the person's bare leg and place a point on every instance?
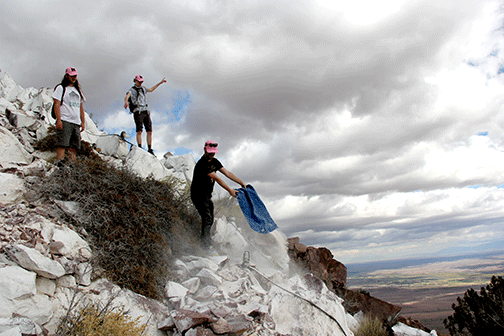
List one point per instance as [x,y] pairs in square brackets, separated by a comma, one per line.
[139,139]
[60,153]
[149,139]
[72,154]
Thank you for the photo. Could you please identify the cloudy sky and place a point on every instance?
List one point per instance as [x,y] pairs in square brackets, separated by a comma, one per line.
[372,128]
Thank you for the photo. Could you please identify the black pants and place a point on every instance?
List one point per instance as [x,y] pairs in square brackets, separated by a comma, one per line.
[205,208]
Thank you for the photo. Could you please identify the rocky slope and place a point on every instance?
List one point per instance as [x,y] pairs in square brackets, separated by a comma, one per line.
[254,284]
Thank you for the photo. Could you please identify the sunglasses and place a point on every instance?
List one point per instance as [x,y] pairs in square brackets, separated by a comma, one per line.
[212,145]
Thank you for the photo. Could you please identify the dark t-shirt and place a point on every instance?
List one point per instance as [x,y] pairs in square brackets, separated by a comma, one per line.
[202,185]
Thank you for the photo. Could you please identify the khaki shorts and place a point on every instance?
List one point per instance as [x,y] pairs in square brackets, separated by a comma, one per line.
[69,136]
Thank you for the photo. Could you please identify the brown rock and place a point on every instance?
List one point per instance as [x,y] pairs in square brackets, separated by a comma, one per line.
[220,327]
[318,261]
[186,319]
[356,301]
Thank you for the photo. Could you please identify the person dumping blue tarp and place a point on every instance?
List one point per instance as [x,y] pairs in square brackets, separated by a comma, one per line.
[254,210]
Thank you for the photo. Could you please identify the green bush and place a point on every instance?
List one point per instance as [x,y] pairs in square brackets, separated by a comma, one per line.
[136,226]
[479,314]
[371,326]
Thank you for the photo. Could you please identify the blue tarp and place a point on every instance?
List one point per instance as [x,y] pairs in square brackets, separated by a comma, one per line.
[254,210]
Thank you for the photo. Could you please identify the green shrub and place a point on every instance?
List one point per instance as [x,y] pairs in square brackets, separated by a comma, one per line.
[370,326]
[479,314]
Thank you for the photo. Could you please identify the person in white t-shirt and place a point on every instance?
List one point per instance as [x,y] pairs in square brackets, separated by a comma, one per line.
[69,110]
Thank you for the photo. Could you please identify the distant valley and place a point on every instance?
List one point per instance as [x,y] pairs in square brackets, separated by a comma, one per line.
[426,288]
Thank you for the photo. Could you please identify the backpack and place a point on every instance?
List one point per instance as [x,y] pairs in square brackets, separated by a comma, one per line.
[133,105]
[53,114]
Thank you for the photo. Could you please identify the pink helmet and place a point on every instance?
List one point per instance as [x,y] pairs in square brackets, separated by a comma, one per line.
[70,71]
[138,78]
[211,146]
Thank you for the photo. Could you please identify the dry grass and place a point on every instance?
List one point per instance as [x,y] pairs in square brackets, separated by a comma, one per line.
[94,319]
[371,326]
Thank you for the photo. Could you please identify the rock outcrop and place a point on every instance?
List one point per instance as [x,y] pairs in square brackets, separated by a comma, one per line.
[321,263]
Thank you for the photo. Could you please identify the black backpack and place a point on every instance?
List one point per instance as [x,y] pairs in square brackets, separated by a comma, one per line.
[53,115]
[133,106]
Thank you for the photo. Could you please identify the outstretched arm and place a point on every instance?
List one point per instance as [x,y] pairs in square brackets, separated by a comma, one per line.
[223,184]
[232,176]
[156,86]
[126,103]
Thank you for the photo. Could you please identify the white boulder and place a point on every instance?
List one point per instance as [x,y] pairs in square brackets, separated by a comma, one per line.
[68,243]
[16,282]
[33,260]
[11,150]
[13,188]
[174,289]
[19,326]
[144,164]
[112,145]
[180,166]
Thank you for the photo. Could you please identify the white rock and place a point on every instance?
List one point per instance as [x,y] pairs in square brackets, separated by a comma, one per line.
[69,243]
[235,288]
[148,311]
[177,302]
[68,265]
[91,132]
[41,102]
[181,268]
[200,263]
[219,260]
[15,331]
[112,145]
[33,260]
[44,155]
[26,139]
[299,314]
[71,208]
[174,289]
[401,329]
[22,324]
[352,322]
[181,166]
[206,293]
[83,274]
[67,281]
[19,118]
[37,308]
[6,105]
[207,275]
[42,131]
[45,286]
[8,88]
[192,285]
[11,150]
[144,164]
[37,168]
[16,282]
[13,188]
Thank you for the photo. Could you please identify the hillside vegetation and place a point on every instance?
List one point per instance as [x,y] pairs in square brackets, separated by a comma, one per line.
[136,226]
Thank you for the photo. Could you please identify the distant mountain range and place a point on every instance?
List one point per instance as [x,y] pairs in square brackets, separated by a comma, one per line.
[451,254]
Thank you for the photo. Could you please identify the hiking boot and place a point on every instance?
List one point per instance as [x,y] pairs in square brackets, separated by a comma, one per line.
[151,151]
